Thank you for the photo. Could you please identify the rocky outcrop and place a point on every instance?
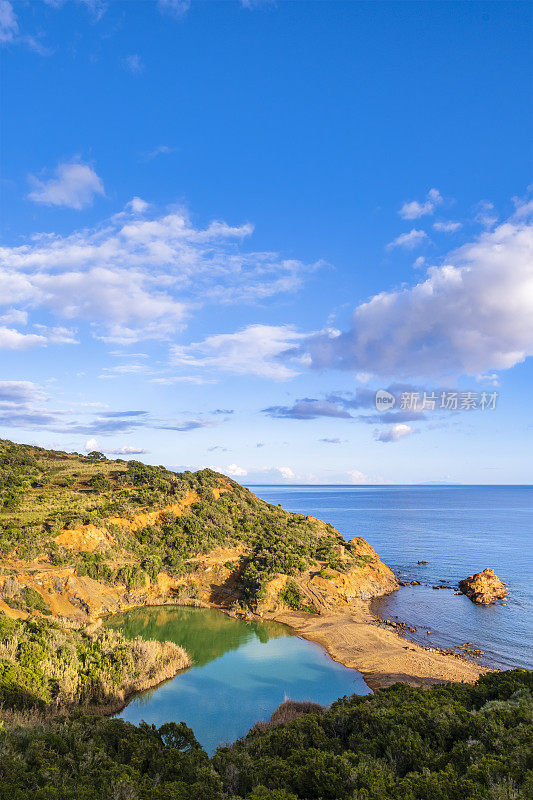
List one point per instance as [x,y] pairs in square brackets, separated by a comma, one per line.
[483,587]
[361,575]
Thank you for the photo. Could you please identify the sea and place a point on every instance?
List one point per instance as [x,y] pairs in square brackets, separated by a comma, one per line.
[458,531]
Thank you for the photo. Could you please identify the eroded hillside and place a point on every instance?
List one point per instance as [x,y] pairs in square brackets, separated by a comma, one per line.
[82,537]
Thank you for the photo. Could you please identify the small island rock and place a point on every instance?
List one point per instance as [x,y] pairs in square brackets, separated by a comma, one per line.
[483,587]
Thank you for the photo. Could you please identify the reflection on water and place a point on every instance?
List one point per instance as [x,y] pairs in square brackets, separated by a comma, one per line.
[204,633]
[241,672]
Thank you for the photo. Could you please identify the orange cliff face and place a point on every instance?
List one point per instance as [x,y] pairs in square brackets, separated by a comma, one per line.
[326,588]
[214,582]
[87,538]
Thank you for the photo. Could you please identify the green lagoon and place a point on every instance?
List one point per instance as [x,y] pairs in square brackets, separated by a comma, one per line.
[241,672]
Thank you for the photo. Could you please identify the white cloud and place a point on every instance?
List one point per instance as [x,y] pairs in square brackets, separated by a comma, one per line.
[358,477]
[134,64]
[471,315]
[485,214]
[256,350]
[138,276]
[414,209]
[126,450]
[235,471]
[14,316]
[448,226]
[58,334]
[394,433]
[286,473]
[173,379]
[8,22]
[11,339]
[10,33]
[137,205]
[19,392]
[408,240]
[493,379]
[74,186]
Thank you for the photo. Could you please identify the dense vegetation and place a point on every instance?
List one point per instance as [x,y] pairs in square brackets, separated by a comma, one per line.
[455,742]
[43,492]
[45,665]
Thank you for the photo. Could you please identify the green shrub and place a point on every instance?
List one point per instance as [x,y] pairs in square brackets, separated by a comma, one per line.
[291,595]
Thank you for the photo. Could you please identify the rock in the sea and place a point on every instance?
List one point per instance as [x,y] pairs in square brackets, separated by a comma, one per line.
[483,587]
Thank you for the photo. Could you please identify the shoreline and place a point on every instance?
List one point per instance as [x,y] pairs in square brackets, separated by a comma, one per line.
[353,637]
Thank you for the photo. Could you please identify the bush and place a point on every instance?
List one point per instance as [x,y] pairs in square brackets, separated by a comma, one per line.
[291,595]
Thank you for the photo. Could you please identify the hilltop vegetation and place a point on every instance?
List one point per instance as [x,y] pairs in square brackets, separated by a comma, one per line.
[43,492]
[454,742]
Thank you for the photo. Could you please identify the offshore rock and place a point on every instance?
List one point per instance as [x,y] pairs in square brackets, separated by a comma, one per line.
[483,587]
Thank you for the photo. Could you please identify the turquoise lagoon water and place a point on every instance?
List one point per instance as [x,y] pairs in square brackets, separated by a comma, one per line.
[241,672]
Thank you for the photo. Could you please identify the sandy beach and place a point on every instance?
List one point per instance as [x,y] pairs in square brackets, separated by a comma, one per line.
[353,637]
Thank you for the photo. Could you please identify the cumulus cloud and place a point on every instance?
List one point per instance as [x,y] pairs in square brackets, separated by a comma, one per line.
[394,433]
[11,339]
[408,240]
[125,450]
[448,226]
[74,186]
[333,440]
[414,209]
[286,473]
[235,471]
[469,316]
[255,350]
[14,316]
[359,477]
[139,275]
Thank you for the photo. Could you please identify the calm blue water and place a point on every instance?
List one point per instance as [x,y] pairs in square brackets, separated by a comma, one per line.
[459,530]
[241,672]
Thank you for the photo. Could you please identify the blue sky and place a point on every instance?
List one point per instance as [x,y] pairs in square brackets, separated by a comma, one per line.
[226,225]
